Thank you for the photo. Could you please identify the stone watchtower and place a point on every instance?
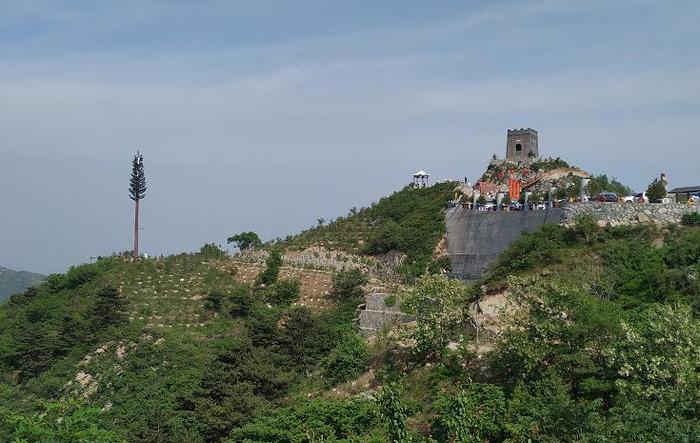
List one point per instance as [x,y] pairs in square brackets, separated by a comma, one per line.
[522,144]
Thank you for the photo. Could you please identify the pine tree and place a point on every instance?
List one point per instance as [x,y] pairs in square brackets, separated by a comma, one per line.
[137,191]
[109,308]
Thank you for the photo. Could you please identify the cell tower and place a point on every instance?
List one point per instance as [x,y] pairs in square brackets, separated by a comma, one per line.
[137,191]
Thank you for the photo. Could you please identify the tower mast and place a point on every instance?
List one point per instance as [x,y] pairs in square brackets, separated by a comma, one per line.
[137,191]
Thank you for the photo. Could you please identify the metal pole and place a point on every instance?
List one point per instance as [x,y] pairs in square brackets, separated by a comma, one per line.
[136,229]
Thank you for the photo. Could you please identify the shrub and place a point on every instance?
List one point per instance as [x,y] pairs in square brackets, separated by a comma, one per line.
[284,292]
[109,308]
[212,251]
[241,301]
[78,276]
[272,268]
[474,415]
[585,228]
[656,191]
[213,301]
[348,359]
[314,420]
[347,284]
[691,219]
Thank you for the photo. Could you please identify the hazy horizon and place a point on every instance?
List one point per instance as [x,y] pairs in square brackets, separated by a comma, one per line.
[264,115]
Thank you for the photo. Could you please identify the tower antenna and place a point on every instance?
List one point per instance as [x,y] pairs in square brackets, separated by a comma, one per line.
[137,191]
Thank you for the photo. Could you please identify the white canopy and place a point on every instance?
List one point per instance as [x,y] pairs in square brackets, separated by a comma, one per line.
[421,173]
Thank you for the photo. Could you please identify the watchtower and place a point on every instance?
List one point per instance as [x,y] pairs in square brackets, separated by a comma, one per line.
[521,144]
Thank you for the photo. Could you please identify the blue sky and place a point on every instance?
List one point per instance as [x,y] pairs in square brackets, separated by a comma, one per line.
[265,115]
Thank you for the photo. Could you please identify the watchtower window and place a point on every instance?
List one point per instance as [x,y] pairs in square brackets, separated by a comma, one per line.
[518,147]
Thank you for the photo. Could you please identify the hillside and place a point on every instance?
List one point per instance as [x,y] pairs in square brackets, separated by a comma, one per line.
[409,222]
[14,282]
[585,334]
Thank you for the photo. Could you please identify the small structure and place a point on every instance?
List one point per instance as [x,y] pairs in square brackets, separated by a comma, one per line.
[521,145]
[685,192]
[421,179]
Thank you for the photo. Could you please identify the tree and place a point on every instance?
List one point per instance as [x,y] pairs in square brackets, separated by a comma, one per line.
[656,191]
[321,221]
[109,308]
[437,304]
[272,268]
[137,191]
[245,240]
[481,199]
[347,284]
[394,413]
[64,421]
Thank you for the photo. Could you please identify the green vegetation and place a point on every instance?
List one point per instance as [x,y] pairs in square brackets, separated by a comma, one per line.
[601,183]
[15,282]
[245,240]
[691,219]
[656,191]
[172,350]
[272,268]
[410,221]
[599,341]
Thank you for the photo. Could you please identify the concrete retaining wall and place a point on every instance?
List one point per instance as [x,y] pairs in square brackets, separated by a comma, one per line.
[476,238]
[630,213]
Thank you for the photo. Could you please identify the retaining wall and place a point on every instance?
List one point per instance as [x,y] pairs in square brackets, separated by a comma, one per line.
[630,213]
[476,238]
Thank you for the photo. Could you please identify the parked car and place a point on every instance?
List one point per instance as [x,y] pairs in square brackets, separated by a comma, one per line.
[608,197]
[516,206]
[640,197]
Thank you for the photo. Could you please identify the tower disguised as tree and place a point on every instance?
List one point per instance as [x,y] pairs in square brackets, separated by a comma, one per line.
[137,191]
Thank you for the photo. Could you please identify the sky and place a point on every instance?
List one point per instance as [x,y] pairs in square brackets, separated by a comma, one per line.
[265,115]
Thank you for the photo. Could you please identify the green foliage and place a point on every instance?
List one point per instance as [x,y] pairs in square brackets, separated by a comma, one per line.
[481,199]
[305,338]
[410,221]
[547,164]
[348,358]
[240,381]
[585,228]
[284,292]
[658,355]
[316,420]
[540,248]
[272,268]
[473,415]
[240,301]
[656,191]
[691,219]
[66,421]
[245,240]
[601,183]
[437,304]
[347,284]
[109,309]
[212,251]
[16,282]
[394,413]
[213,301]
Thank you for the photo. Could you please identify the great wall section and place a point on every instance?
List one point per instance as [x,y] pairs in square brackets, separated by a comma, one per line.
[476,238]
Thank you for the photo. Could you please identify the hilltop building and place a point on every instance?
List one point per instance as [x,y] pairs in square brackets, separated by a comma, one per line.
[521,145]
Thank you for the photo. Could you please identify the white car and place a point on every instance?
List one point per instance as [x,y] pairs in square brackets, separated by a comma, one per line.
[637,198]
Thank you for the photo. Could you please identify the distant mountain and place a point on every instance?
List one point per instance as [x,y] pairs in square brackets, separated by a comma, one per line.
[12,282]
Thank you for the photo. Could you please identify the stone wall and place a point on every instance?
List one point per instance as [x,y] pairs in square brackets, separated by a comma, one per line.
[629,213]
[475,239]
[377,314]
